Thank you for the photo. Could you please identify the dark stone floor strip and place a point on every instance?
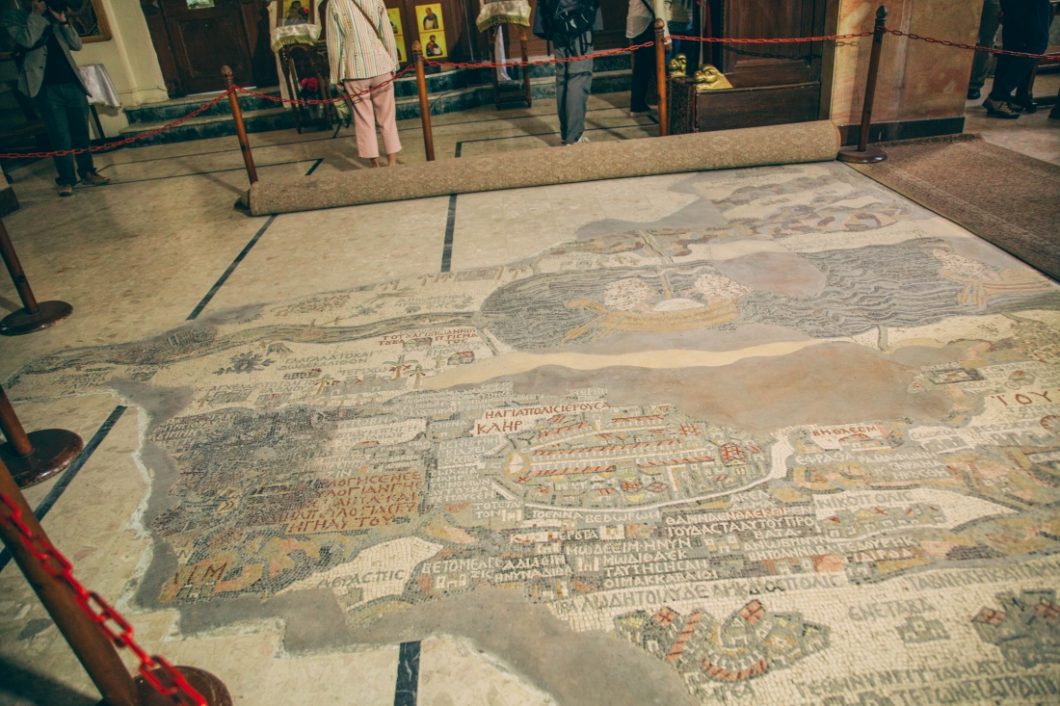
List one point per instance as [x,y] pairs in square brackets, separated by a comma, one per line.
[315,165]
[67,476]
[231,268]
[450,227]
[408,674]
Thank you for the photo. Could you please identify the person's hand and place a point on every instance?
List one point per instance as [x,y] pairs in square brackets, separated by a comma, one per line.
[61,16]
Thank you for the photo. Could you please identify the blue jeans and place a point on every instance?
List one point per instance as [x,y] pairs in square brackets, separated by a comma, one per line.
[63,108]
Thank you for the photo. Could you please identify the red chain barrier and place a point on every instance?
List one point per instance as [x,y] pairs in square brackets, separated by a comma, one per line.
[324,101]
[125,141]
[973,47]
[771,40]
[540,62]
[155,670]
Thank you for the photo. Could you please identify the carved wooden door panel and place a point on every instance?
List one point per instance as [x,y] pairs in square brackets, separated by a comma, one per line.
[195,38]
[771,64]
[773,83]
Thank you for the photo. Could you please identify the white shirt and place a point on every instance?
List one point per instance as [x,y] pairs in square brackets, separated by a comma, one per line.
[639,16]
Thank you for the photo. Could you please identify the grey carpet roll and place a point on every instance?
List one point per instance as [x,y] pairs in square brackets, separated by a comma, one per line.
[746,147]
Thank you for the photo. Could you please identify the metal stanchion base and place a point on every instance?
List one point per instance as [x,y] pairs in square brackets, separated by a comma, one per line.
[871,155]
[211,688]
[53,450]
[21,321]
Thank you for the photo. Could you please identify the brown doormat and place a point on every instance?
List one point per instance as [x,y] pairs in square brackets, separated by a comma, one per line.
[1004,197]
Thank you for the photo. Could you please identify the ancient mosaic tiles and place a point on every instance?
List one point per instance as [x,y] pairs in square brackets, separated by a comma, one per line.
[796,443]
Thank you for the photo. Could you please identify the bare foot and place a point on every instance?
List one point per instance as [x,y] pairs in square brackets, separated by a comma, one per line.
[374,161]
[391,160]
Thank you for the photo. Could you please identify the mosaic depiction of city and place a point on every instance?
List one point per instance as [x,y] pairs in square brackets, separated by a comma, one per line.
[679,432]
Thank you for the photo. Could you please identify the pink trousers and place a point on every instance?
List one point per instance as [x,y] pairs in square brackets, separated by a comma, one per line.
[371,111]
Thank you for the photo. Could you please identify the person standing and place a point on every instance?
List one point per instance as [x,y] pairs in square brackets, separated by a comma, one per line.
[569,25]
[49,76]
[1024,28]
[640,28]
[363,57]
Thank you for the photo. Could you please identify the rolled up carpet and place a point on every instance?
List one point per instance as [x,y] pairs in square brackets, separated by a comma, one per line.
[725,149]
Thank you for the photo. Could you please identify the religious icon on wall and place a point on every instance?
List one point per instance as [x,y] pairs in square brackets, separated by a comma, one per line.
[295,12]
[431,27]
[394,14]
[429,17]
[434,47]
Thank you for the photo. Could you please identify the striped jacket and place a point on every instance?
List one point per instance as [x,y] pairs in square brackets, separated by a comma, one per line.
[354,47]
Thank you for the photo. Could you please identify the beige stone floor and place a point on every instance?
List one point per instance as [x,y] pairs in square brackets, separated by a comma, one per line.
[139,258]
[1036,135]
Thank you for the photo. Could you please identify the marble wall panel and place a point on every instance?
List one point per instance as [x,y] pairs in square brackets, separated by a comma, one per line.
[917,80]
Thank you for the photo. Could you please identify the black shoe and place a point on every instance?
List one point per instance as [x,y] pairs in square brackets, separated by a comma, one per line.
[1024,104]
[999,109]
[974,94]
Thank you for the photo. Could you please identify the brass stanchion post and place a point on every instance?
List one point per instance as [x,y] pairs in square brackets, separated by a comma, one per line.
[241,127]
[92,647]
[36,456]
[660,76]
[864,153]
[34,315]
[425,107]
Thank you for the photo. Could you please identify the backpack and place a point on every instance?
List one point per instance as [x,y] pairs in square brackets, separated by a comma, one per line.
[567,20]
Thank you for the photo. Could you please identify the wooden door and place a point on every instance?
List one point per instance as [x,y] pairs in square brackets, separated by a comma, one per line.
[195,38]
[773,83]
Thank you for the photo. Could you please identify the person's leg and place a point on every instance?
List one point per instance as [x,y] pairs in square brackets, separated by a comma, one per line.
[386,117]
[579,85]
[1022,30]
[76,105]
[363,119]
[643,73]
[989,21]
[1009,68]
[52,111]
[562,76]
[1036,36]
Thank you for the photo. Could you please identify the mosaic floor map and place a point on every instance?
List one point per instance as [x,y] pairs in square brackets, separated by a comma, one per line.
[797,442]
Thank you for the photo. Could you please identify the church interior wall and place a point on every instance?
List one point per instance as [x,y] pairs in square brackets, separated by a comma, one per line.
[917,80]
[130,59]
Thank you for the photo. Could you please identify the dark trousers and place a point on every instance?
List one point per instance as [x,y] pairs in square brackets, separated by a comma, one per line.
[643,71]
[1024,27]
[574,80]
[988,24]
[63,108]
